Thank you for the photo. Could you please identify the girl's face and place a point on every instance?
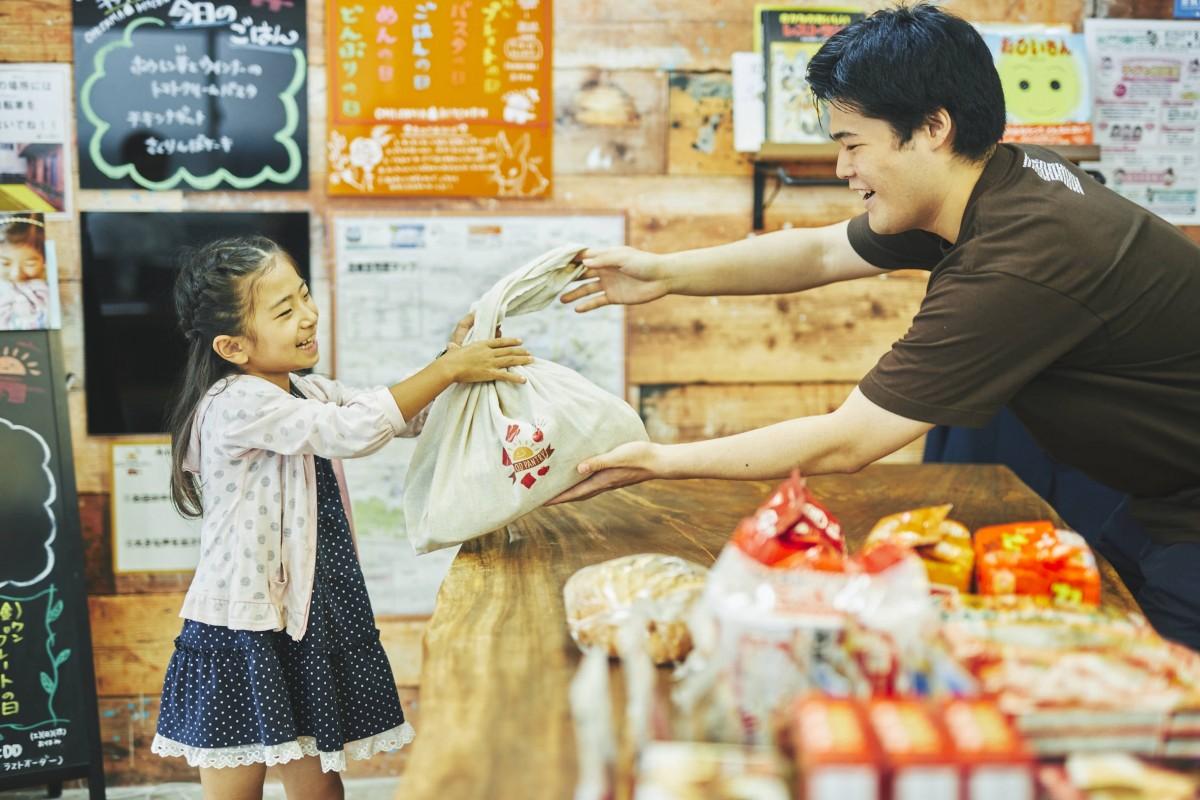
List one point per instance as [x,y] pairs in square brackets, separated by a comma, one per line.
[282,327]
[21,262]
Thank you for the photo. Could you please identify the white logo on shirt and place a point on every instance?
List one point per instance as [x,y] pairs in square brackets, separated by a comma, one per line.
[1048,171]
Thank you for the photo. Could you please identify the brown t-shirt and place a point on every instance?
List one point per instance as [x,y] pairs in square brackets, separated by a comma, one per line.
[1075,307]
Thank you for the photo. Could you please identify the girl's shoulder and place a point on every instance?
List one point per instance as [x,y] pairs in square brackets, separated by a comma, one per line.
[240,388]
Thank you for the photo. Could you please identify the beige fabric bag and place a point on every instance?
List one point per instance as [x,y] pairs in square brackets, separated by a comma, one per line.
[492,452]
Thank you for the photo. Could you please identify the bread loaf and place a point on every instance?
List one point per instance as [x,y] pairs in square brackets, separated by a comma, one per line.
[656,588]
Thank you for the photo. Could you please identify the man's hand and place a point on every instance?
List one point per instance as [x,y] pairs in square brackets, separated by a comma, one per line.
[623,466]
[619,276]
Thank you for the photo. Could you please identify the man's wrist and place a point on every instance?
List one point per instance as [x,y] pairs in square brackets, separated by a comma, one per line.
[669,271]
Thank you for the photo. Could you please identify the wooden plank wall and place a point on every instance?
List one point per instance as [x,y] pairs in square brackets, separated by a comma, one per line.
[643,125]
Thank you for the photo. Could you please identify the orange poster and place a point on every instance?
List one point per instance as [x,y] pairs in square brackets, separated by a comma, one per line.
[441,97]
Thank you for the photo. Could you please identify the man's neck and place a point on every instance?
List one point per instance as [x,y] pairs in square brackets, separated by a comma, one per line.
[961,180]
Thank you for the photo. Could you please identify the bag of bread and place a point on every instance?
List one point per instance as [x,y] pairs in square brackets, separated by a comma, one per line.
[648,589]
[943,544]
[492,452]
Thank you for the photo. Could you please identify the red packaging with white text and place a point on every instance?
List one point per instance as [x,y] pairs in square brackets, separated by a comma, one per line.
[792,529]
[919,758]
[837,756]
[995,759]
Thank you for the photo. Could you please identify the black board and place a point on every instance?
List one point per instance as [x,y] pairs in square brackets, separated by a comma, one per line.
[49,729]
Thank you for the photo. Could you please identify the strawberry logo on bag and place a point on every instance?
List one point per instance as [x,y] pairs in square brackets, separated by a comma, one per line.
[527,456]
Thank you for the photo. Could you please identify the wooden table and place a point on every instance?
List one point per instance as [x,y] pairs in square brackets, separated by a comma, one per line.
[495,720]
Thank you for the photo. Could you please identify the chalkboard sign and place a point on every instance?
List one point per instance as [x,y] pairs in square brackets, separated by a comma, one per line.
[48,724]
[175,94]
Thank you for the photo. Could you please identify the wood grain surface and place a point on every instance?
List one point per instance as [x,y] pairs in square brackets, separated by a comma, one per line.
[498,658]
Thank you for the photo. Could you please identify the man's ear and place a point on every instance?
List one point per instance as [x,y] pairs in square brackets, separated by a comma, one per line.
[939,127]
[230,348]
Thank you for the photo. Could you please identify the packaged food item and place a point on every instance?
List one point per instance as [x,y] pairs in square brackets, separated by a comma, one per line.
[652,590]
[707,771]
[837,754]
[595,734]
[943,544]
[1074,678]
[995,760]
[792,530]
[916,751]
[1122,775]
[1034,558]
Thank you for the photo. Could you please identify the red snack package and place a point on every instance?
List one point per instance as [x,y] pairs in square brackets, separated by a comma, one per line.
[837,755]
[1033,558]
[792,529]
[920,760]
[995,760]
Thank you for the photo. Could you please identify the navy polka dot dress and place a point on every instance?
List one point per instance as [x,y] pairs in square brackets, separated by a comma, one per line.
[244,697]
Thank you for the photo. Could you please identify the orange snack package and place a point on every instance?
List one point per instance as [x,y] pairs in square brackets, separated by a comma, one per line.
[995,759]
[920,760]
[837,754]
[1035,558]
[943,544]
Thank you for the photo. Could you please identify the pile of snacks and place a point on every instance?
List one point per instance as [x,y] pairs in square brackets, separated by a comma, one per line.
[1076,678]
[880,673]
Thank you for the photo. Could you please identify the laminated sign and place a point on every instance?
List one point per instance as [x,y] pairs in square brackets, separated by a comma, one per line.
[492,452]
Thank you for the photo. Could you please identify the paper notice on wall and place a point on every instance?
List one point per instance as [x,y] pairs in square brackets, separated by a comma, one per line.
[1146,114]
[148,534]
[35,139]
[749,114]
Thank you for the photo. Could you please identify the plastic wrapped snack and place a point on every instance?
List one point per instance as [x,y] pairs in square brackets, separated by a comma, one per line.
[792,529]
[1033,558]
[659,590]
[943,544]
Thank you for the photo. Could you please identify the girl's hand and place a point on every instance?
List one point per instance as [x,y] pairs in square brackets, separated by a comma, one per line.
[619,275]
[480,362]
[622,466]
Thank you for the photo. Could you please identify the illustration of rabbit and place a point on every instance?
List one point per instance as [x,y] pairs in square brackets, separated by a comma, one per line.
[515,172]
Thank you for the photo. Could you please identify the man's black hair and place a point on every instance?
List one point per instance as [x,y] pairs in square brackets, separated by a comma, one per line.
[901,65]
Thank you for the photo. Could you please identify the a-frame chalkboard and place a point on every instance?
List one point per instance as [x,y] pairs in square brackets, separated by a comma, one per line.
[49,729]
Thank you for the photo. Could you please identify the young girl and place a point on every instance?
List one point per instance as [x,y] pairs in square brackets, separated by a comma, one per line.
[279,661]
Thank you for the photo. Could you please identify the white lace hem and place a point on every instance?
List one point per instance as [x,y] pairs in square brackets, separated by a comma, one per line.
[274,754]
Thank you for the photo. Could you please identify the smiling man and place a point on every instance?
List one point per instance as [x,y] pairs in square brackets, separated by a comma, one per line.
[1048,293]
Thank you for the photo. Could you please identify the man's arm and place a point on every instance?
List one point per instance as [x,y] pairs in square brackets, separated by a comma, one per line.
[846,440]
[773,263]
[783,261]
